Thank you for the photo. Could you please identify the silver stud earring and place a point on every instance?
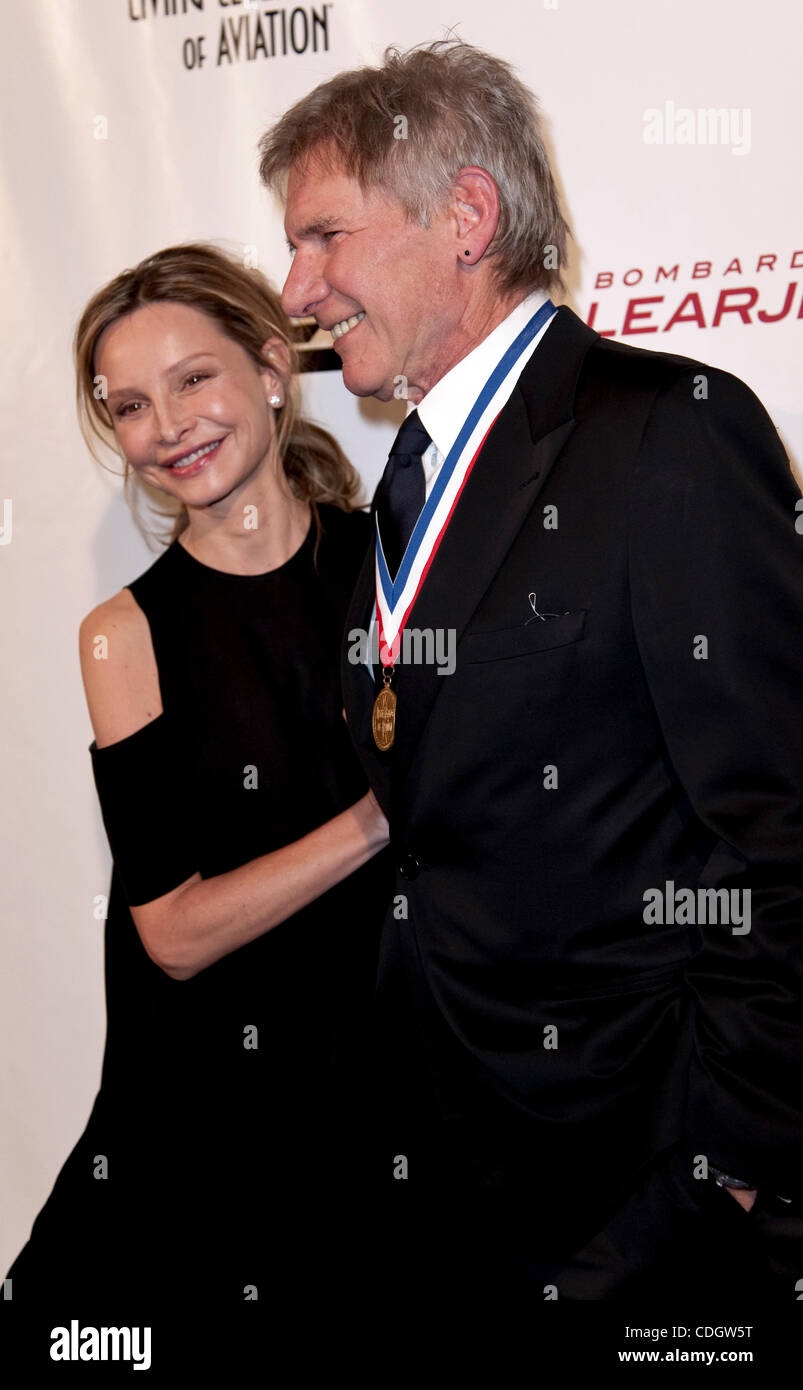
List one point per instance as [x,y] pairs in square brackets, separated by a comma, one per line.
[275,400]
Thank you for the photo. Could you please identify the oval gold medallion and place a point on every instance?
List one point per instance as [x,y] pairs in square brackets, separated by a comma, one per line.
[383,720]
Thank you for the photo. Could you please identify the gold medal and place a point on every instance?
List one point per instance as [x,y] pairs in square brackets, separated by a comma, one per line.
[383,720]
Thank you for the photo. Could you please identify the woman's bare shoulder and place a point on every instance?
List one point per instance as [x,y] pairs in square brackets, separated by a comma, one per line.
[118,666]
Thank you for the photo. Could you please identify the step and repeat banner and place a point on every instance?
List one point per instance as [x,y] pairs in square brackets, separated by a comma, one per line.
[130,125]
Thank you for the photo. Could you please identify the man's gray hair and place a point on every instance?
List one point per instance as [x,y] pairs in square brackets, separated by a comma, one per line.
[408,127]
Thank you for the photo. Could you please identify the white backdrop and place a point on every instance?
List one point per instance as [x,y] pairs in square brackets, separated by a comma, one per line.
[126,127]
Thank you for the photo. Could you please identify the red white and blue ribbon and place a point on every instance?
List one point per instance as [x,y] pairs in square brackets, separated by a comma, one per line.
[395,598]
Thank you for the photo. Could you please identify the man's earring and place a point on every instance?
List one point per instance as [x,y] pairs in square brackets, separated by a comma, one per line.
[466,252]
[275,400]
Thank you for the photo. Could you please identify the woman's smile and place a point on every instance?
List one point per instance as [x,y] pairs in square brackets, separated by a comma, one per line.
[193,462]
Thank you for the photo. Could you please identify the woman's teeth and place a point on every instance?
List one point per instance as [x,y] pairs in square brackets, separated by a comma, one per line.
[193,458]
[338,329]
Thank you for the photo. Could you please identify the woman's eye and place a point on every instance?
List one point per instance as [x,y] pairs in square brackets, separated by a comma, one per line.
[134,407]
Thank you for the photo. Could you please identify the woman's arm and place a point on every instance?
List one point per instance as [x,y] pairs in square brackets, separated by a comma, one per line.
[201,920]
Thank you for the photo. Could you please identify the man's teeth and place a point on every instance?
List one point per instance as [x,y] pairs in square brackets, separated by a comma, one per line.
[199,453]
[338,329]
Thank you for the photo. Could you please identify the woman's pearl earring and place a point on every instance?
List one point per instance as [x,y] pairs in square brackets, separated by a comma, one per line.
[275,400]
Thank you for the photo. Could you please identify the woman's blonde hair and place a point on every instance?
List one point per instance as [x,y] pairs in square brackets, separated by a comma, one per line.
[248,310]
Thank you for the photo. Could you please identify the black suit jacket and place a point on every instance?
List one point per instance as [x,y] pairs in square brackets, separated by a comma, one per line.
[526,900]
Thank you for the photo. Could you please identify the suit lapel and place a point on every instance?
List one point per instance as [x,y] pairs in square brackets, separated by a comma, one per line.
[504,483]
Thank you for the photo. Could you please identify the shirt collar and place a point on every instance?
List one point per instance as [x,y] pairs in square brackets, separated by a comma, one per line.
[443,409]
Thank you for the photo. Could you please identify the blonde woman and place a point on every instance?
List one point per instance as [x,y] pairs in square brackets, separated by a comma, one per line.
[247,887]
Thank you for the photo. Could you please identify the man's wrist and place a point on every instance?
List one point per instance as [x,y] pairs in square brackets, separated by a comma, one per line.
[726,1180]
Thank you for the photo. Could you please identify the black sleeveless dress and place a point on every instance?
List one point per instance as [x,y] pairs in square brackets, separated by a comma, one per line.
[222,1158]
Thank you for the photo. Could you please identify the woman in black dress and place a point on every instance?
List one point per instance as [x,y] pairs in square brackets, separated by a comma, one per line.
[222,1159]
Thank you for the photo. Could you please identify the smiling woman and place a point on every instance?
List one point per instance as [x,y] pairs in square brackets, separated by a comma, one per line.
[179,321]
[247,884]
[198,406]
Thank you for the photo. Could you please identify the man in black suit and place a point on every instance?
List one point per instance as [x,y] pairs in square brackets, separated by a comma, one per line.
[588,1026]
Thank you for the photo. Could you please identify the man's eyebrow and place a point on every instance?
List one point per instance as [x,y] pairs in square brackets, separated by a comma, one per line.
[315,228]
[176,367]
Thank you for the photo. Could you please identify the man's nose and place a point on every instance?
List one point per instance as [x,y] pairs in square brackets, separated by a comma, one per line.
[305,286]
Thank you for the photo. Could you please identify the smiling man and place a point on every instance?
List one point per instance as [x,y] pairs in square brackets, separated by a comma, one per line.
[581,1093]
[392,306]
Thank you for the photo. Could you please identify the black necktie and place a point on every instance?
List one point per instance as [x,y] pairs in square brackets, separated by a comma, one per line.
[401,491]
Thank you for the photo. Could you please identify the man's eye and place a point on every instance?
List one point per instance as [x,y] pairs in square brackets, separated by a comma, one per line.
[327,235]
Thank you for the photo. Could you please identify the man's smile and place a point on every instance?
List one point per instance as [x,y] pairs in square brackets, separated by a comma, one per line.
[338,330]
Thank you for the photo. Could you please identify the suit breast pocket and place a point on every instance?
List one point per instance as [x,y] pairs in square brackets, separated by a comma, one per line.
[537,635]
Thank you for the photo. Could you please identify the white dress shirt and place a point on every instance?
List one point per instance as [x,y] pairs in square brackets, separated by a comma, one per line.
[443,410]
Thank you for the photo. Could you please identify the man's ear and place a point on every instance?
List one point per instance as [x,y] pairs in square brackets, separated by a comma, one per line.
[475,208]
[276,375]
